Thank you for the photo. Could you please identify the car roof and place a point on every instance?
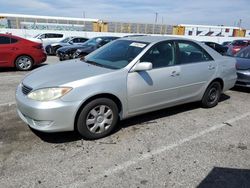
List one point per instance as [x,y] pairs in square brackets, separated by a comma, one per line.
[10,35]
[153,39]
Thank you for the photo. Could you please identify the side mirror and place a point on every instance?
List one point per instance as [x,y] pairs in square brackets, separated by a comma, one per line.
[71,42]
[142,66]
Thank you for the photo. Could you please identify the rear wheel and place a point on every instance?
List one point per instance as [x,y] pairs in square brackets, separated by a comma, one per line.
[98,118]
[212,95]
[24,63]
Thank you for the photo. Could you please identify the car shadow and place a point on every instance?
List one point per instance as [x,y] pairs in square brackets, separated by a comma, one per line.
[226,178]
[13,69]
[148,118]
[241,89]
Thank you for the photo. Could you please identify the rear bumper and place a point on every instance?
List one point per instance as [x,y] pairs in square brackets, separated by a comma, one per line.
[63,56]
[40,58]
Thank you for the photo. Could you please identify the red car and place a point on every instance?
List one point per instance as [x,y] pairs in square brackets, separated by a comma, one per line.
[236,46]
[20,53]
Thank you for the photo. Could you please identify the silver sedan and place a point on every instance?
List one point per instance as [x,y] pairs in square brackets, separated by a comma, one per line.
[125,78]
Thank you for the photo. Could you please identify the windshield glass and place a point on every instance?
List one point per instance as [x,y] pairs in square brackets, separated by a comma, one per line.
[37,36]
[239,43]
[116,55]
[66,40]
[245,53]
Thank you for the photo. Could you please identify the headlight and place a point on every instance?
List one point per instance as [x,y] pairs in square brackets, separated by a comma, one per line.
[48,94]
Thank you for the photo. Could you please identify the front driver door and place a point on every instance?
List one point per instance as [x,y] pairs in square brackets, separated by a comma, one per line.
[153,89]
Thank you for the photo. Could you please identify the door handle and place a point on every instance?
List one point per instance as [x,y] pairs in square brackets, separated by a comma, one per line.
[175,73]
[211,67]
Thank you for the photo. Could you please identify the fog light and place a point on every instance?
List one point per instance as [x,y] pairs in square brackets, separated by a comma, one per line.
[42,123]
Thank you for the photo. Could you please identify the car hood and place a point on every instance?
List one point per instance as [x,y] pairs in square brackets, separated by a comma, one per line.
[62,73]
[243,63]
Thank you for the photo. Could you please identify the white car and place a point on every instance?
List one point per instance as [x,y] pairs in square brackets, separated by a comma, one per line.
[48,38]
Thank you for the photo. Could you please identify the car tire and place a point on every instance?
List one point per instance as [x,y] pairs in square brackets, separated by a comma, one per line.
[212,95]
[24,63]
[97,119]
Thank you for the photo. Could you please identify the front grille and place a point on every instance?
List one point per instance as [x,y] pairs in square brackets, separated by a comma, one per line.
[26,90]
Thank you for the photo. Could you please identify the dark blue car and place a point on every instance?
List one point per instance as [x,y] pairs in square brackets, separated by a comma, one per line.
[75,51]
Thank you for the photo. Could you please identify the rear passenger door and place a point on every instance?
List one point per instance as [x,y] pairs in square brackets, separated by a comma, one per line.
[197,68]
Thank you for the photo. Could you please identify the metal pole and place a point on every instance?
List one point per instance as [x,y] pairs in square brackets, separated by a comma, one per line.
[156,17]
[83,14]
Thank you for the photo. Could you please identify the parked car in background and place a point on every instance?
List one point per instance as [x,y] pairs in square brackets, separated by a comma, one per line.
[134,35]
[51,48]
[217,47]
[75,51]
[226,43]
[20,53]
[125,78]
[236,46]
[48,38]
[243,67]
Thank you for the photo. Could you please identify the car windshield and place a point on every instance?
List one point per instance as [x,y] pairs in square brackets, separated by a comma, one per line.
[245,53]
[37,36]
[66,40]
[116,55]
[239,43]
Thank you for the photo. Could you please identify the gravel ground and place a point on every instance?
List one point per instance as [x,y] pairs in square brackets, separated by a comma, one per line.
[184,146]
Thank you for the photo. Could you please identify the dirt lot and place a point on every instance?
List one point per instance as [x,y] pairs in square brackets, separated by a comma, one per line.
[184,146]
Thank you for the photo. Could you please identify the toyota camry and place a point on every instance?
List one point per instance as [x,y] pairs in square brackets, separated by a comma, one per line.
[125,78]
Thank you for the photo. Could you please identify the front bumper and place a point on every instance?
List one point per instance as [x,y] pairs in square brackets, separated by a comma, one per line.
[52,116]
[243,79]
[63,56]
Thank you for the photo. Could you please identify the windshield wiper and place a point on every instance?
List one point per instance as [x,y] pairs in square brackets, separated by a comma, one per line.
[97,64]
[93,63]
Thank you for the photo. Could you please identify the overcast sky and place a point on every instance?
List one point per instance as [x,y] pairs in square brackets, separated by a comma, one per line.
[211,12]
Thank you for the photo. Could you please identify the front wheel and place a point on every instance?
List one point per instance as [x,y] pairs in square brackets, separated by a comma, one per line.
[24,63]
[98,118]
[212,95]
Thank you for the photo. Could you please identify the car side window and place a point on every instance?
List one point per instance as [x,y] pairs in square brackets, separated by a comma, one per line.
[190,52]
[160,55]
[77,40]
[4,40]
[13,40]
[50,35]
[103,42]
[57,35]
[82,39]
[43,36]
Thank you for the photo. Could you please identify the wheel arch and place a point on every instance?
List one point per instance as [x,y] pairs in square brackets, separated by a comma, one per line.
[220,80]
[102,95]
[14,63]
